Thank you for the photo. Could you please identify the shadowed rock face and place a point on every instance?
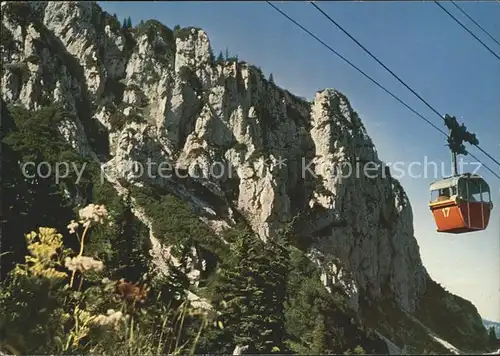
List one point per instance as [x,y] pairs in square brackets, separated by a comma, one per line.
[158,96]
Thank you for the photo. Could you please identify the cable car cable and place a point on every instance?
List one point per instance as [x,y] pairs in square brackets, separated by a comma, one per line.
[392,73]
[375,58]
[358,69]
[371,79]
[466,29]
[485,166]
[487,154]
[478,25]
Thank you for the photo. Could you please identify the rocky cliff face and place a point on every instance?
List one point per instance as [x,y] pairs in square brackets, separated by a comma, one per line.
[152,96]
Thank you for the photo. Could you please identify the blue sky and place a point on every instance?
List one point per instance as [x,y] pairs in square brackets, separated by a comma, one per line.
[421,44]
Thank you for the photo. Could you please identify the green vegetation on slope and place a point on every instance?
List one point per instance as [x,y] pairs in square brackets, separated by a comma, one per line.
[454,319]
[266,298]
[249,292]
[318,321]
[41,310]
[174,223]
[392,322]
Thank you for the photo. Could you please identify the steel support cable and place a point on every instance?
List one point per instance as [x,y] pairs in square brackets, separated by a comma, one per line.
[393,74]
[466,29]
[370,78]
[478,25]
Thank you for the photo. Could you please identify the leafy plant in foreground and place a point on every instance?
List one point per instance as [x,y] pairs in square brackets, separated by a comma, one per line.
[58,302]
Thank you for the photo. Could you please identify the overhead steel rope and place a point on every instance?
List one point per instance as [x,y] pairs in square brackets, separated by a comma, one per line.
[466,29]
[371,79]
[394,75]
[478,25]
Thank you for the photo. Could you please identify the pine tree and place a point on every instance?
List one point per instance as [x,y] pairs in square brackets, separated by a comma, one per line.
[227,54]
[129,22]
[235,287]
[271,78]
[277,265]
[492,335]
[130,247]
[318,346]
[212,57]
[253,290]
[220,58]
[29,136]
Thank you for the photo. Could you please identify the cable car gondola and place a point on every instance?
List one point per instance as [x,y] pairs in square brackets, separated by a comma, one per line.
[460,203]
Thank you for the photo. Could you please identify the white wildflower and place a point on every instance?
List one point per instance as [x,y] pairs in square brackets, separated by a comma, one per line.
[193,275]
[83,263]
[72,226]
[112,318]
[92,213]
